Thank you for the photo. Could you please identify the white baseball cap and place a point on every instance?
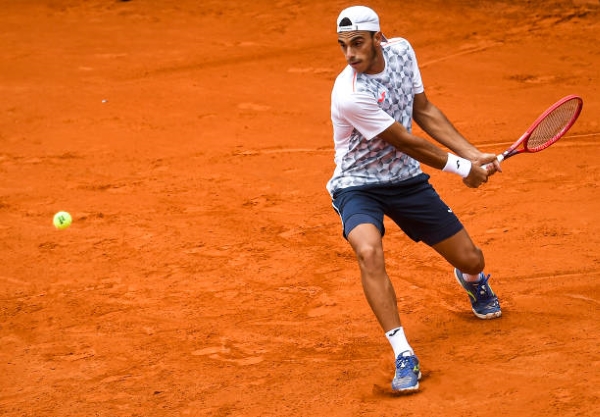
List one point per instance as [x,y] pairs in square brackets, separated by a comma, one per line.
[361,18]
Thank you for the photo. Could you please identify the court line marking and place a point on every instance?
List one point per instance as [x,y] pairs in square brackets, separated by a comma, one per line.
[251,152]
[465,52]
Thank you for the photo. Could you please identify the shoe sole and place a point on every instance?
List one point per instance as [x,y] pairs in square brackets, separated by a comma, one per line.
[488,316]
[408,390]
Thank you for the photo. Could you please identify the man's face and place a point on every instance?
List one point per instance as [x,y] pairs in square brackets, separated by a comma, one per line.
[360,50]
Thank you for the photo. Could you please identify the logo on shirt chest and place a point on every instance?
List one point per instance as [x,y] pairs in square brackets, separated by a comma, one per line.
[381,97]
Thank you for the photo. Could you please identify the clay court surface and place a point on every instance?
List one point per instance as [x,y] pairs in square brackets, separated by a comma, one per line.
[205,273]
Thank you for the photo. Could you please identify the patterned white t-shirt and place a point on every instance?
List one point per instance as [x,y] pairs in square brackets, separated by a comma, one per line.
[363,106]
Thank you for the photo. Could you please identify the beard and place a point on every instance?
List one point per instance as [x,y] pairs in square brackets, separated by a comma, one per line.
[373,59]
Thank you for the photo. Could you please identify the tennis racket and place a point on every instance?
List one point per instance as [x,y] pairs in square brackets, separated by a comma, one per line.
[547,129]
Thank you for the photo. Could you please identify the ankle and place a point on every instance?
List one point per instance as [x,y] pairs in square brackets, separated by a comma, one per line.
[472,278]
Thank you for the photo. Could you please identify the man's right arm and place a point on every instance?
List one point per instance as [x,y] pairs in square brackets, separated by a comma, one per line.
[427,153]
[362,111]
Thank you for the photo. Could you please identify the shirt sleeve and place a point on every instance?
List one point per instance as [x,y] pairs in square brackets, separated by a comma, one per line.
[362,112]
[418,87]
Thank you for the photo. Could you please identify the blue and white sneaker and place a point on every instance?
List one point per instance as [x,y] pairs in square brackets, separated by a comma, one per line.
[484,302]
[408,373]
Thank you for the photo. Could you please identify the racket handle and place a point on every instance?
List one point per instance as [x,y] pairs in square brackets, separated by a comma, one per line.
[500,158]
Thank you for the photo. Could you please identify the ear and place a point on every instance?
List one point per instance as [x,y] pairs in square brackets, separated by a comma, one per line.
[378,38]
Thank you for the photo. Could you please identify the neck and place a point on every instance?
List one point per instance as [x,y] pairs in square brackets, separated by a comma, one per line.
[378,64]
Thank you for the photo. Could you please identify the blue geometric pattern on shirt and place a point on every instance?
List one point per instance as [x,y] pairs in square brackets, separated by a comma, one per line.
[375,161]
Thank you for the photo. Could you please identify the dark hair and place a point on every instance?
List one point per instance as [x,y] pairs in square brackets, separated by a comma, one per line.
[346,22]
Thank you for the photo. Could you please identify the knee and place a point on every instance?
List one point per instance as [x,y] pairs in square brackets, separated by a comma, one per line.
[370,257]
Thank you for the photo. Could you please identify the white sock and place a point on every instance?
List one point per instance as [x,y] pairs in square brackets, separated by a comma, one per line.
[398,341]
[473,279]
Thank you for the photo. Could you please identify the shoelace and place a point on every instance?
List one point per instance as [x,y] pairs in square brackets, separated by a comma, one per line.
[405,364]
[484,291]
[485,295]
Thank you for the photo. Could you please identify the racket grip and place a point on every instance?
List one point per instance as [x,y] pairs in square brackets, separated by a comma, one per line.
[500,158]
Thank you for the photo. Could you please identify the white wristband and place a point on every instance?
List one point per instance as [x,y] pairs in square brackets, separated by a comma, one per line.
[457,165]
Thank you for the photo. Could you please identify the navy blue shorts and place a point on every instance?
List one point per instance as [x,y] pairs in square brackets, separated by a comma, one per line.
[412,204]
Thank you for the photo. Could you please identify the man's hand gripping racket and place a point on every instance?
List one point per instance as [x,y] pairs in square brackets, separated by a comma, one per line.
[547,129]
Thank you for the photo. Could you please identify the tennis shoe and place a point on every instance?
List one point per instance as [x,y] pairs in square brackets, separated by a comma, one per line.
[408,373]
[484,302]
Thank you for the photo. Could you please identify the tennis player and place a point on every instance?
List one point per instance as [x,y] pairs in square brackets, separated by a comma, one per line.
[373,103]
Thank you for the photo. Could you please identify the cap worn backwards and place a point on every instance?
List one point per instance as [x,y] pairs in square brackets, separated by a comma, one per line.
[358,18]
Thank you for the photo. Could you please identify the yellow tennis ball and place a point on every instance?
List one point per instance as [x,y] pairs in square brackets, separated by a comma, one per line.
[62,220]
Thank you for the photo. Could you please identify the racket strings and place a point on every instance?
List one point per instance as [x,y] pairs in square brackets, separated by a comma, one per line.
[553,125]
